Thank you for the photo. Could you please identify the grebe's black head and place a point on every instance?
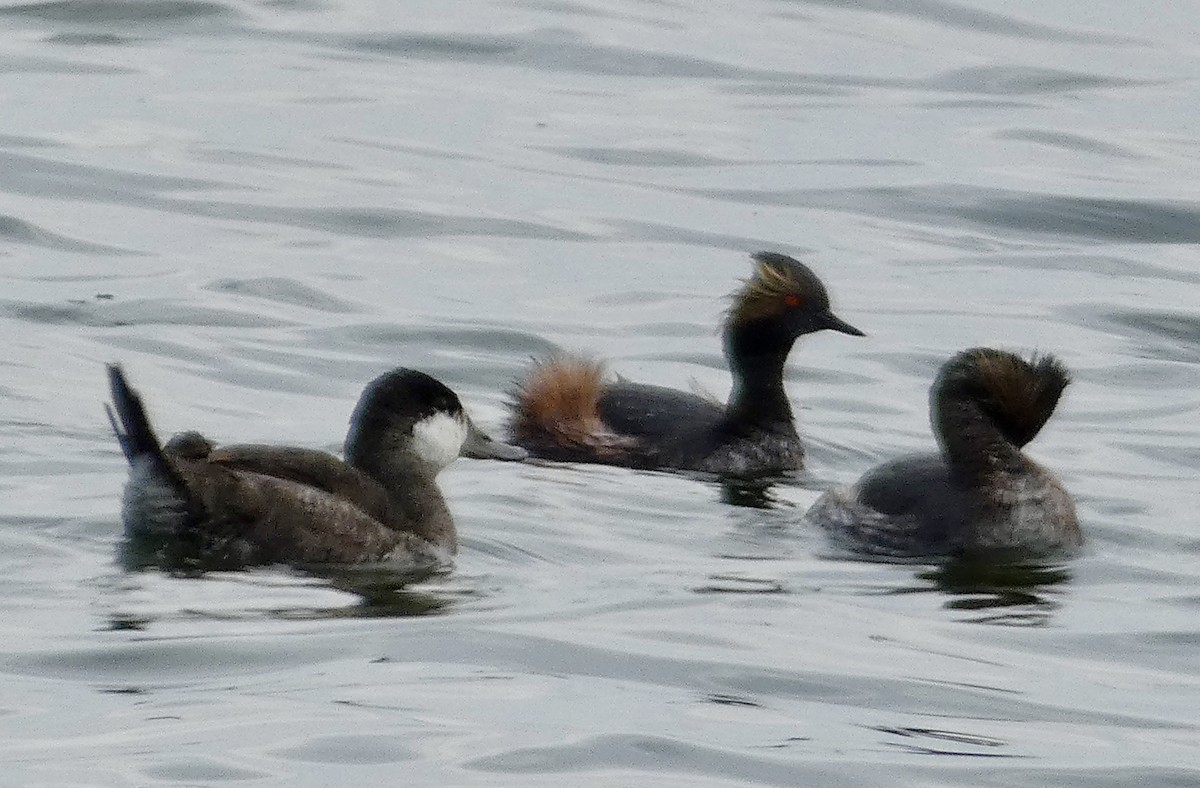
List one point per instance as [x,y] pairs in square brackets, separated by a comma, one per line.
[787,295]
[1018,396]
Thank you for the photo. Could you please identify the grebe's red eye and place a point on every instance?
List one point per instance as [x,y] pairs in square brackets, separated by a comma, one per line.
[791,299]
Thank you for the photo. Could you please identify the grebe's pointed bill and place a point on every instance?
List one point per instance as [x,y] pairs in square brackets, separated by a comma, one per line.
[835,323]
[481,446]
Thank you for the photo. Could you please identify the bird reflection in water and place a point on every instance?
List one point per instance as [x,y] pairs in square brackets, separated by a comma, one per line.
[381,591]
[1016,593]
[750,493]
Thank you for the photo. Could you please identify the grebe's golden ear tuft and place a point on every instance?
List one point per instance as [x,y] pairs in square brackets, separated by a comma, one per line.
[558,404]
[762,295]
[779,283]
[1021,395]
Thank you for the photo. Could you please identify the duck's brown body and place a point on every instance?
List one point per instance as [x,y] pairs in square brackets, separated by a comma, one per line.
[250,505]
[243,505]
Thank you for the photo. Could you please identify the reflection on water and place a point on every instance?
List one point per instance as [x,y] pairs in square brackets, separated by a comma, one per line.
[751,493]
[382,590]
[181,555]
[385,593]
[1015,593]
[127,623]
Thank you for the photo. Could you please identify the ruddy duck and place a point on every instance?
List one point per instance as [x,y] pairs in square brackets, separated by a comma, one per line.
[981,494]
[244,505]
[566,410]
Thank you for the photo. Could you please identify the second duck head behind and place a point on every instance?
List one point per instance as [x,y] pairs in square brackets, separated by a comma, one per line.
[566,410]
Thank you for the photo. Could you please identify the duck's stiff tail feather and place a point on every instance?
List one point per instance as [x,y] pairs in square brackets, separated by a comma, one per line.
[133,429]
[156,497]
[556,412]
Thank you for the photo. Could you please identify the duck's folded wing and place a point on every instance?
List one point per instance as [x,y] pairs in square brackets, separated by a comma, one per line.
[308,468]
[252,518]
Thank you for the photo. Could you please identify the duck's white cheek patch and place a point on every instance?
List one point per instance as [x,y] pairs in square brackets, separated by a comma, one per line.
[439,438]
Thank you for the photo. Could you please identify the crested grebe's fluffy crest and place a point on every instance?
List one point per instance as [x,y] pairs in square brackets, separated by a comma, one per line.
[775,278]
[1021,395]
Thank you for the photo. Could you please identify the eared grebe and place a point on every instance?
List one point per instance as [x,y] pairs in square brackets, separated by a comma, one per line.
[207,507]
[565,410]
[981,494]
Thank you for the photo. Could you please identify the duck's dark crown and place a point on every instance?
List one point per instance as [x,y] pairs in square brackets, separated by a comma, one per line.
[391,405]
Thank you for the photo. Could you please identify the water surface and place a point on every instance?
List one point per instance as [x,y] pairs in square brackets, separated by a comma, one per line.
[258,206]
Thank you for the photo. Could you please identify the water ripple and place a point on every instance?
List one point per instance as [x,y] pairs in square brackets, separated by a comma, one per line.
[283,291]
[135,312]
[113,12]
[551,51]
[1034,213]
[23,232]
[259,205]
[1072,142]
[963,17]
[11,64]
[653,755]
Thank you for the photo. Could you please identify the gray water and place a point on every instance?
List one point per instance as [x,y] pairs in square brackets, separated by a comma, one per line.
[258,206]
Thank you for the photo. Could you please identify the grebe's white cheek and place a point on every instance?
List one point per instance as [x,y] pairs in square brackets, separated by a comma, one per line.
[438,439]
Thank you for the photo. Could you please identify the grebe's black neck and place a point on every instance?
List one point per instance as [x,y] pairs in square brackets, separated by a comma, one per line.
[987,404]
[757,351]
[974,446]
